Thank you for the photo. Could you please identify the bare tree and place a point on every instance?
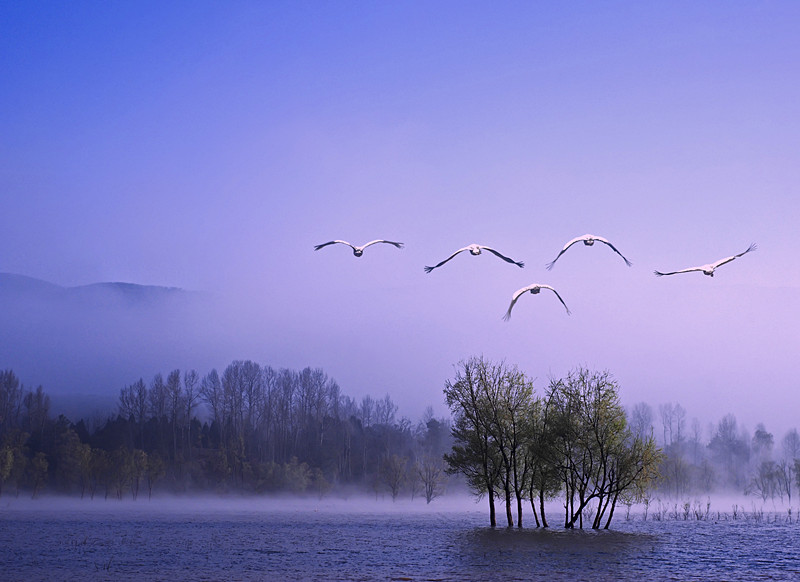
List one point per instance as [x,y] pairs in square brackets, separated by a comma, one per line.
[642,419]
[367,411]
[763,483]
[784,480]
[393,473]
[791,445]
[191,395]
[673,421]
[157,398]
[211,393]
[175,403]
[430,470]
[385,410]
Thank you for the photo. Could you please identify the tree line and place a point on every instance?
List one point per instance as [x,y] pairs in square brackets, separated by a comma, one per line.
[257,429]
[723,456]
[572,442]
[251,428]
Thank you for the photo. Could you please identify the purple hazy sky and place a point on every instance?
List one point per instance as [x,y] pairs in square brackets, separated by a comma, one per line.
[211,145]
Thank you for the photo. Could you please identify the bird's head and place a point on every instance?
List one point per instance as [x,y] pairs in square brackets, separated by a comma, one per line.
[536,290]
[588,241]
[475,249]
[358,252]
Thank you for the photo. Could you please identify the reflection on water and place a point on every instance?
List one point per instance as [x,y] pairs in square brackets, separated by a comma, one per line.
[109,541]
[563,554]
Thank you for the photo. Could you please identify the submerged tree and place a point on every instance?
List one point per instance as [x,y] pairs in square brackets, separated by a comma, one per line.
[509,396]
[475,453]
[543,480]
[597,456]
[576,441]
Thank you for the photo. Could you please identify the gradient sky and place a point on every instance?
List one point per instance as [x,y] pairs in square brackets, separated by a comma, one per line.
[210,145]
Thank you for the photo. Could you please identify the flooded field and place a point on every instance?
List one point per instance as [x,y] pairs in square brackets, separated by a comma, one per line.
[369,540]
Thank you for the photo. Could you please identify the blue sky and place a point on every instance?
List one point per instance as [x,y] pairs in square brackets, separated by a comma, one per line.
[210,145]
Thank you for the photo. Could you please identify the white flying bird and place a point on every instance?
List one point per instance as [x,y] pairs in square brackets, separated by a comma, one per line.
[711,267]
[588,240]
[535,288]
[358,251]
[476,250]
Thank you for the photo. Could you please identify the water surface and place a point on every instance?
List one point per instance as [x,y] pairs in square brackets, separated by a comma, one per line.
[367,540]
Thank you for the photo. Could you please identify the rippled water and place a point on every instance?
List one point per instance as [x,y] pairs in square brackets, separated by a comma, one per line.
[362,540]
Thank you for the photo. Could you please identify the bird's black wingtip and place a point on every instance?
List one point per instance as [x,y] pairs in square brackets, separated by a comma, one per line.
[658,274]
[428,269]
[520,264]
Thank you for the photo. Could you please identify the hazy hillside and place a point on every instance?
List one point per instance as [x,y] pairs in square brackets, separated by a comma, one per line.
[85,343]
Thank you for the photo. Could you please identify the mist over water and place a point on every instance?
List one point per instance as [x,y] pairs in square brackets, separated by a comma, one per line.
[367,539]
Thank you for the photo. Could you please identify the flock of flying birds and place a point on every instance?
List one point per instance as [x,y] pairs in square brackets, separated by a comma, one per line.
[587,239]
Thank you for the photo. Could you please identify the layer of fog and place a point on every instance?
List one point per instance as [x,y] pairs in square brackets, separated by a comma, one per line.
[689,508]
[84,344]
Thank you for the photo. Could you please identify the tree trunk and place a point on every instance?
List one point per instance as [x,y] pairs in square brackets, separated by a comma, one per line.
[533,507]
[509,513]
[541,508]
[492,514]
[611,511]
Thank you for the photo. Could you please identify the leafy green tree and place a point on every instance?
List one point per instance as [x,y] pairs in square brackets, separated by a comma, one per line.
[475,453]
[6,464]
[10,401]
[16,441]
[543,480]
[68,459]
[155,471]
[120,471]
[39,466]
[597,457]
[630,470]
[138,469]
[99,473]
[84,458]
[297,476]
[217,469]
[508,397]
[320,483]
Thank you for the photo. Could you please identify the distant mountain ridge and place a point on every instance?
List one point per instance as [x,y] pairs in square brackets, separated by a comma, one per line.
[23,287]
[92,340]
